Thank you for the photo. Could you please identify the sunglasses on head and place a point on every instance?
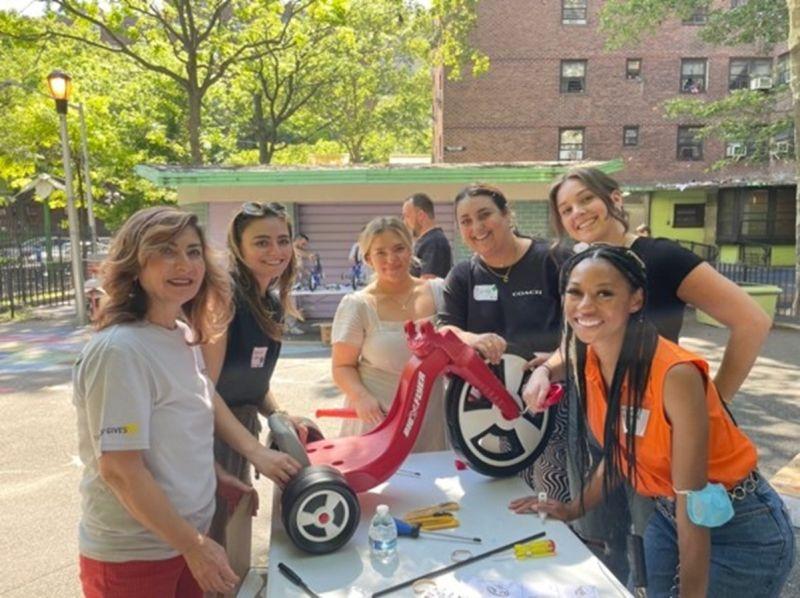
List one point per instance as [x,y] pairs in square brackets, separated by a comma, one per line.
[254,208]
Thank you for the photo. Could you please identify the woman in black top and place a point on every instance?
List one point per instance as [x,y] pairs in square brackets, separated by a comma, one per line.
[242,361]
[505,299]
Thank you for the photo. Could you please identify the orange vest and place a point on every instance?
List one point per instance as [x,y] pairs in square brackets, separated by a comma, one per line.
[731,455]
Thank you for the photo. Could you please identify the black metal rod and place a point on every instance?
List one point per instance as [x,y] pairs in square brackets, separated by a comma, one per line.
[454,566]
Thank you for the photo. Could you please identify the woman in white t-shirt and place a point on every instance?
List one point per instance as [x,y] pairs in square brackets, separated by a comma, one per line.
[147,415]
[369,343]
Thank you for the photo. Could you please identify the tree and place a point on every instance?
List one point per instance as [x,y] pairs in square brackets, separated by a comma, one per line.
[192,44]
[286,79]
[764,22]
[132,117]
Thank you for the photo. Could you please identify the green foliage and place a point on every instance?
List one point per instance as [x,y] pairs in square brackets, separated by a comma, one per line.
[762,22]
[742,116]
[334,77]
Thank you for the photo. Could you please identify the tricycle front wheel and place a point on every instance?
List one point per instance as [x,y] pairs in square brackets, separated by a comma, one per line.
[480,435]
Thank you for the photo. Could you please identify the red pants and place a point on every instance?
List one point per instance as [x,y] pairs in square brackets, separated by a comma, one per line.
[170,578]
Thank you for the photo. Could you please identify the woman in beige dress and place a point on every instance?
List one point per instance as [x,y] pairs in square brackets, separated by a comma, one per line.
[369,344]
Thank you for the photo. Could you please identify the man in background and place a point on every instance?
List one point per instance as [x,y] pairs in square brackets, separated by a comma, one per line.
[430,244]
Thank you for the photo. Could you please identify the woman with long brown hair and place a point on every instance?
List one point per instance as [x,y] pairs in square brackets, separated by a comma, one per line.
[242,359]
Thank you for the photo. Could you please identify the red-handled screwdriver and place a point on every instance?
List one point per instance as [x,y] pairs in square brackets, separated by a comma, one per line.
[409,530]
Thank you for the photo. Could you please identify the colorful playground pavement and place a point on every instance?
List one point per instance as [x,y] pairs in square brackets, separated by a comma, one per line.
[37,349]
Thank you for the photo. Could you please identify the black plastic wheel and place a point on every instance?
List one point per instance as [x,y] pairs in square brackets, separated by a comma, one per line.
[481,436]
[320,512]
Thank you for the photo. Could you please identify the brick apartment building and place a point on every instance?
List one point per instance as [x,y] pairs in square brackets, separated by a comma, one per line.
[554,93]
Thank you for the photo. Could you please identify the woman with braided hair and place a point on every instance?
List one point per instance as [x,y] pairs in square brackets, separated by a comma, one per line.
[586,206]
[719,529]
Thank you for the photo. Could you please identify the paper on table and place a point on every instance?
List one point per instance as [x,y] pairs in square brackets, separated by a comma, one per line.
[512,589]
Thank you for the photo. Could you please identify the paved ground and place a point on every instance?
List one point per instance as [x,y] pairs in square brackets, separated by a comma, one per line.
[39,469]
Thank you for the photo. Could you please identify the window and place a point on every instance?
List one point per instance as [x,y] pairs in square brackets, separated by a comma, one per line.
[630,135]
[782,145]
[633,68]
[699,17]
[756,215]
[570,144]
[737,3]
[742,70]
[693,75]
[689,215]
[783,73]
[573,76]
[573,12]
[690,146]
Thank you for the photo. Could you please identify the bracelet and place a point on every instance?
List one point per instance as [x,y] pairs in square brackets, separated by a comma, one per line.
[547,367]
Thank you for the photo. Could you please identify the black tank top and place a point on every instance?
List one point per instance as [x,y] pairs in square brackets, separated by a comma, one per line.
[250,356]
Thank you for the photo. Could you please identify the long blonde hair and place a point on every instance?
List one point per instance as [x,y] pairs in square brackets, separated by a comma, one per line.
[142,235]
[246,284]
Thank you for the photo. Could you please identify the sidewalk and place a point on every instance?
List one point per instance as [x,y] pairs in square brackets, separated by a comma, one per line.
[39,469]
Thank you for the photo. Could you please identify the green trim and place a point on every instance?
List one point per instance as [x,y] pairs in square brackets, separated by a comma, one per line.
[174,176]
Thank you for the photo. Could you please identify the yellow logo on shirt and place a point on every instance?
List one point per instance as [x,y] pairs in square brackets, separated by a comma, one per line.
[126,429]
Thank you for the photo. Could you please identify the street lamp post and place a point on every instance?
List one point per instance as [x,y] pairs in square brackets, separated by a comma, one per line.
[87,181]
[60,85]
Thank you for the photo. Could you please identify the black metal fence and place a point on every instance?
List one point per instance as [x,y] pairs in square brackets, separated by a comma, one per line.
[780,276]
[33,285]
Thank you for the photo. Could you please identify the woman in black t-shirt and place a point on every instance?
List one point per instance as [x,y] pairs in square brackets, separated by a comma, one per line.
[504,299]
[242,361]
[586,205]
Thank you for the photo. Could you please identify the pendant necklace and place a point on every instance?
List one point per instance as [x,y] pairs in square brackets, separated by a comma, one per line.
[405,303]
[503,276]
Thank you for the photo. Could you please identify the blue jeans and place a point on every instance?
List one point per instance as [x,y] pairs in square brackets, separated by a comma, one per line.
[751,555]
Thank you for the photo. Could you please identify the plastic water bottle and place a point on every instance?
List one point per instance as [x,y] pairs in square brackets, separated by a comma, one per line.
[383,535]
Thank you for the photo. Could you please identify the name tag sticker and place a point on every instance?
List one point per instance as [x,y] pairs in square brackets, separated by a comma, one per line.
[484,292]
[641,420]
[258,357]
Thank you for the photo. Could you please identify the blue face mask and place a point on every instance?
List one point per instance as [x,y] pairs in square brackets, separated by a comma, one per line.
[709,507]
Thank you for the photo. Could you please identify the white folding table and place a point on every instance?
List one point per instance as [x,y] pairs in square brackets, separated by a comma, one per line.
[483,513]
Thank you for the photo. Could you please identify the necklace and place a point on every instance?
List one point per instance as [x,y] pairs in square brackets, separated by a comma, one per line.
[503,276]
[405,301]
[404,304]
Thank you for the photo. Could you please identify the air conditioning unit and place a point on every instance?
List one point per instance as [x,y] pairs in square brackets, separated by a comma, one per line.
[735,150]
[565,155]
[782,148]
[761,83]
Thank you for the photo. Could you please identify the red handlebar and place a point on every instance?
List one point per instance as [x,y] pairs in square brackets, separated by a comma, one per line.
[343,412]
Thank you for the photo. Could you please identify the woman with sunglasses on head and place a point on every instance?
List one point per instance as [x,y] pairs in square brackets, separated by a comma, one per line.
[586,205]
[369,342]
[147,417]
[505,299]
[241,361]
[719,529]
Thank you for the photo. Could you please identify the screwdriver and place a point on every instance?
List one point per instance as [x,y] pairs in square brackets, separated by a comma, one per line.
[413,531]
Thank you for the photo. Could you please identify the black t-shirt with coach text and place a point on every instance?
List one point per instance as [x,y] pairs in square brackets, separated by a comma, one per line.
[434,253]
[667,264]
[525,311]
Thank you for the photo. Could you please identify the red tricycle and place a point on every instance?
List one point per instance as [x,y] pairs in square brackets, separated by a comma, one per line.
[488,427]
